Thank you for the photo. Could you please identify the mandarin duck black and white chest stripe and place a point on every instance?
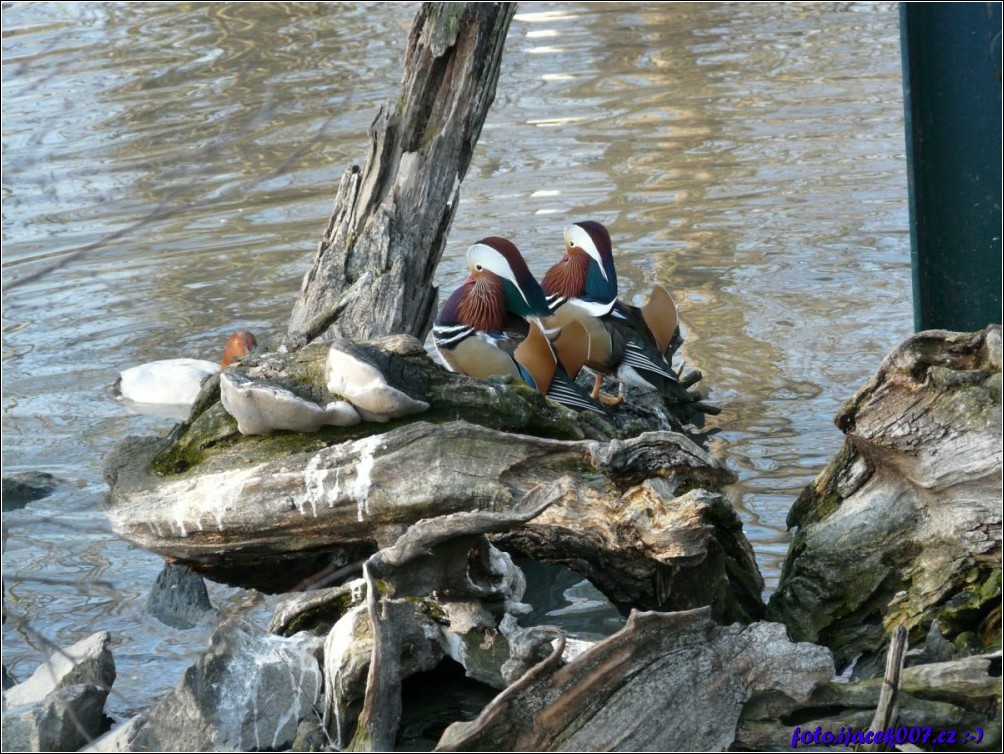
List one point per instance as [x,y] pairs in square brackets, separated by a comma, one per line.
[492,325]
[634,345]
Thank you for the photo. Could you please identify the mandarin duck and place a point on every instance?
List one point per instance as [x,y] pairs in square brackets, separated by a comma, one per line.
[177,382]
[493,325]
[634,345]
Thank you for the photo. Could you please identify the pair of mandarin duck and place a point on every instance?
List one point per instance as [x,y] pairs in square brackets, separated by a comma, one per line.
[501,321]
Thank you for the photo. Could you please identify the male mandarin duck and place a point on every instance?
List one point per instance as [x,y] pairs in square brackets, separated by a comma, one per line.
[479,331]
[176,382]
[634,345]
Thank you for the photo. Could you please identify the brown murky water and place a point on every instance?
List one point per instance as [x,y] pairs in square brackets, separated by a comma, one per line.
[168,168]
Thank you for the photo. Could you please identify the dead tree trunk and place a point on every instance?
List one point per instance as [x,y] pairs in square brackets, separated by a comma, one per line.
[374,266]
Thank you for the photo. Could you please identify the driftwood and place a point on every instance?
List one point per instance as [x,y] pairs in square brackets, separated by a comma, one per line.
[374,266]
[440,589]
[963,696]
[274,511]
[905,524]
[887,709]
[666,682]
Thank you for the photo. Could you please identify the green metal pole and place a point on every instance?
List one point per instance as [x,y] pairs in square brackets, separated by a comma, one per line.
[952,96]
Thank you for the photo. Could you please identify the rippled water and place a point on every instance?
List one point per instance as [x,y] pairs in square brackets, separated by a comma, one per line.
[168,169]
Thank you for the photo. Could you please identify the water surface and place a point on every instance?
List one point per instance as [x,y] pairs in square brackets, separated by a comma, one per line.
[168,169]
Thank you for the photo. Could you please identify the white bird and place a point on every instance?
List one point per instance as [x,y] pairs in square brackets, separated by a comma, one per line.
[176,382]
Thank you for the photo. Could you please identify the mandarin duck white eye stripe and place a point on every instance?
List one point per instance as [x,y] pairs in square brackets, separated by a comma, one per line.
[486,328]
[626,342]
[577,237]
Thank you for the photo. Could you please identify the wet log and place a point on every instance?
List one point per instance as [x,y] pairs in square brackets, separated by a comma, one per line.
[905,524]
[666,682]
[288,509]
[963,696]
[448,559]
[663,551]
[373,271]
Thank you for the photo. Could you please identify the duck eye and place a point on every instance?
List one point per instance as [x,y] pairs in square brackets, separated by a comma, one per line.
[478,267]
[571,244]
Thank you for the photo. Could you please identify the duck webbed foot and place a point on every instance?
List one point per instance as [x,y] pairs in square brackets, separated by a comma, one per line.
[604,398]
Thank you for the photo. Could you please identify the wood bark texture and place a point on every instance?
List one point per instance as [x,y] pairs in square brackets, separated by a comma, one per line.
[373,271]
[642,516]
[905,524]
[665,682]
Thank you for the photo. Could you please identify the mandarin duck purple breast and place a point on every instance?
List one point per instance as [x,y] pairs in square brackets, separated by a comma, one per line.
[493,325]
[631,344]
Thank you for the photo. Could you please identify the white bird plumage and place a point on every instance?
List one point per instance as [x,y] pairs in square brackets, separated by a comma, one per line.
[177,382]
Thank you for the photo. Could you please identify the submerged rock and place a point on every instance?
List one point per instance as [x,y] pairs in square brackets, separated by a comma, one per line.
[179,597]
[25,487]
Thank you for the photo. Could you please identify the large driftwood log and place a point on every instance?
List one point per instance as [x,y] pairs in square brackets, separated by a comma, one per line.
[666,682]
[235,506]
[373,271]
[905,524]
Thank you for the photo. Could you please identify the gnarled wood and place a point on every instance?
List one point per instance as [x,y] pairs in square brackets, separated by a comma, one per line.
[905,524]
[665,682]
[373,271]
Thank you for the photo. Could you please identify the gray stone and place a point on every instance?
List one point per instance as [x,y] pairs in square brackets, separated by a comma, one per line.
[249,691]
[310,736]
[119,738]
[179,597]
[24,487]
[64,720]
[86,662]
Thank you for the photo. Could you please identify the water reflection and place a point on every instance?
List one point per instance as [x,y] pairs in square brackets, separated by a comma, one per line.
[747,155]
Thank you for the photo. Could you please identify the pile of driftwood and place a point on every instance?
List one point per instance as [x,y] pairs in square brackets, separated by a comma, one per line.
[393,532]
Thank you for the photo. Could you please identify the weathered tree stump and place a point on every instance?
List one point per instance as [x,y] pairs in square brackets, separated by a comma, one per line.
[642,515]
[962,696]
[375,263]
[666,682]
[904,525]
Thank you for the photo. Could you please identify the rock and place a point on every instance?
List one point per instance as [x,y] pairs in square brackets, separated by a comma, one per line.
[87,662]
[120,738]
[24,487]
[249,691]
[310,736]
[905,523]
[666,682]
[179,597]
[66,719]
[961,695]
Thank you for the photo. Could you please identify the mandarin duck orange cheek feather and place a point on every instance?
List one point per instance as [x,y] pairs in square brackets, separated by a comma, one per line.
[634,345]
[493,325]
